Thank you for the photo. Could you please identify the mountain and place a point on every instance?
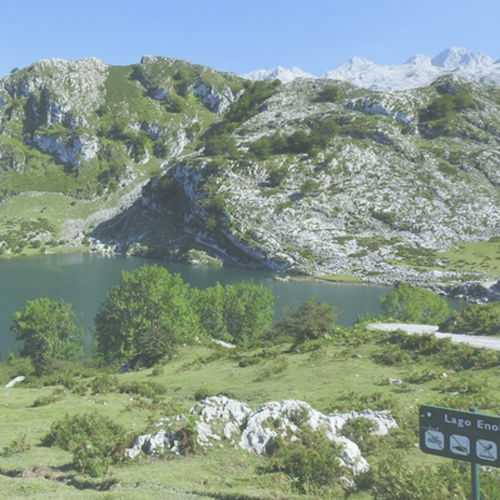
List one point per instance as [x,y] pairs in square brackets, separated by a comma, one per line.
[418,71]
[319,177]
[278,73]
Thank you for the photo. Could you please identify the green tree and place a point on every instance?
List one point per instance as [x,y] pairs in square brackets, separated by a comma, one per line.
[148,313]
[236,313]
[209,303]
[309,320]
[48,330]
[415,305]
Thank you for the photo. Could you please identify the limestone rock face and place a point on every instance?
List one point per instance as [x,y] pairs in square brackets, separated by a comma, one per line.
[215,101]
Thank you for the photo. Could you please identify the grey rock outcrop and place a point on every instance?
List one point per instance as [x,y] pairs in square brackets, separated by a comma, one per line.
[220,419]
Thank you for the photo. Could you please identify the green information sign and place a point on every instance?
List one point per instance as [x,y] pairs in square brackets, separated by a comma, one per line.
[462,435]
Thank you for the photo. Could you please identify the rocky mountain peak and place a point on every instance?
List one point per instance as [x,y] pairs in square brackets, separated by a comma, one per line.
[418,71]
[419,60]
[456,57]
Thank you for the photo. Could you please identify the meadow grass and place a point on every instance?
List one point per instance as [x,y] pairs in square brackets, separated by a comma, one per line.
[339,376]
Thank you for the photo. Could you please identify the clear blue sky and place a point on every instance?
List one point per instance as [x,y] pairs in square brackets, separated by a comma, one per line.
[241,36]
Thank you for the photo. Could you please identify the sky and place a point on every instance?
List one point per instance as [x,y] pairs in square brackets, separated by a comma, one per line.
[242,36]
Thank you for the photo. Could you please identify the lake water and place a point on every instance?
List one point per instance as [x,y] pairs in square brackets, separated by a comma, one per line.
[84,279]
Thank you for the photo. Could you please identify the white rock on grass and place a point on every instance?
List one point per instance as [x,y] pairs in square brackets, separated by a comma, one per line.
[219,418]
[15,381]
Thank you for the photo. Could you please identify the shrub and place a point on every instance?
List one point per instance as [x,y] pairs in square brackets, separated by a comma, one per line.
[17,445]
[360,431]
[145,389]
[95,441]
[54,397]
[104,383]
[481,319]
[310,463]
[201,394]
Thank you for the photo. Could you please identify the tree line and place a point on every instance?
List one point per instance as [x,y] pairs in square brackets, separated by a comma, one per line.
[148,314]
[151,312]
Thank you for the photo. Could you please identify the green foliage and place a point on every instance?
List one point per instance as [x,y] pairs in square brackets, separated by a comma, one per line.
[277,175]
[444,105]
[17,445]
[145,389]
[309,187]
[310,320]
[393,478]
[96,441]
[360,430]
[235,313]
[54,397]
[249,103]
[262,148]
[480,319]
[224,145]
[104,383]
[310,464]
[148,314]
[329,93]
[414,305]
[139,144]
[48,330]
[392,355]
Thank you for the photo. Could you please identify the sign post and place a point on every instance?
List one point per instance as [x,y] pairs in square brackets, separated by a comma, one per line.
[462,435]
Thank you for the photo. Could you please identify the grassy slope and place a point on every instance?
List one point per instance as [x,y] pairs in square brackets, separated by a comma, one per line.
[330,380]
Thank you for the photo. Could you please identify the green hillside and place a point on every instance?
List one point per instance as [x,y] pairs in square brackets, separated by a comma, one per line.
[315,177]
[351,371]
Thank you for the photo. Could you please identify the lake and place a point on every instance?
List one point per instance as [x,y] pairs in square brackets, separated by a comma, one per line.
[84,279]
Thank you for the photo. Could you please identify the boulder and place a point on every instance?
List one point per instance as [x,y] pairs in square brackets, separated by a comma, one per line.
[14,381]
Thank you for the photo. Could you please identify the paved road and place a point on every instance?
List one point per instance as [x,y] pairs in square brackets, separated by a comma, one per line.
[456,338]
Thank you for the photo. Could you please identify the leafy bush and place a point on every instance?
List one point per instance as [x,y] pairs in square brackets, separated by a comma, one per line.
[249,103]
[444,105]
[54,397]
[236,313]
[95,441]
[360,431]
[480,319]
[310,464]
[104,383]
[145,389]
[17,445]
[202,393]
[147,315]
[309,187]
